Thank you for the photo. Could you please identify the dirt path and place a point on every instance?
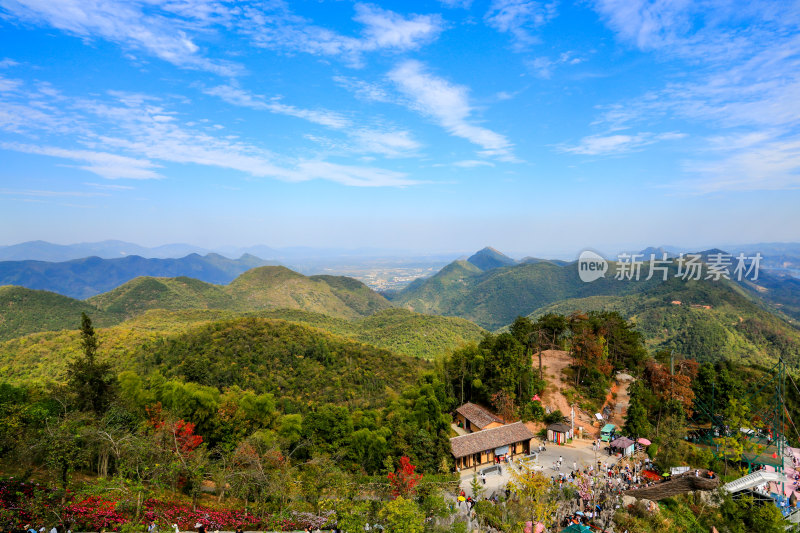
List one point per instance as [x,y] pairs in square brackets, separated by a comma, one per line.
[554,362]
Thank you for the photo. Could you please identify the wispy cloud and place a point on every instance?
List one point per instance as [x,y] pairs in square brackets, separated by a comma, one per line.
[50,194]
[744,162]
[448,105]
[616,143]
[104,164]
[275,26]
[382,141]
[744,82]
[6,63]
[520,18]
[239,97]
[472,163]
[364,90]
[161,29]
[544,66]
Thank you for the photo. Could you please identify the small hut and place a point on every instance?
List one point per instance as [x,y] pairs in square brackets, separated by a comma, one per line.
[624,445]
[559,433]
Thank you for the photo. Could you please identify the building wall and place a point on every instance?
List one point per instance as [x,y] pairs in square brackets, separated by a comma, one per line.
[487,457]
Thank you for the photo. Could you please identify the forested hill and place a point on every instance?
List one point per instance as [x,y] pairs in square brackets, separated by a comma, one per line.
[82,278]
[42,356]
[24,311]
[703,320]
[296,364]
[714,319]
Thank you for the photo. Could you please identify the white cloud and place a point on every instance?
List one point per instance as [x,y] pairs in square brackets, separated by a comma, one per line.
[131,135]
[472,163]
[464,4]
[160,29]
[387,29]
[520,18]
[50,194]
[104,164]
[6,63]
[237,96]
[741,80]
[364,90]
[276,27]
[386,143]
[448,104]
[544,66]
[746,164]
[617,143]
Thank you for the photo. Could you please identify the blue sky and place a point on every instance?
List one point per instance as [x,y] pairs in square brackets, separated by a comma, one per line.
[534,126]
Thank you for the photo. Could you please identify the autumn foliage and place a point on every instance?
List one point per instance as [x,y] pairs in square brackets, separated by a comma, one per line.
[403,480]
[678,386]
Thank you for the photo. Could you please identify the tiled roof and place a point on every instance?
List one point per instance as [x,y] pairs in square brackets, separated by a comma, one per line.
[622,442]
[489,439]
[477,415]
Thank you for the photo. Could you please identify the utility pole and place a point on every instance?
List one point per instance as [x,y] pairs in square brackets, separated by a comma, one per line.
[572,422]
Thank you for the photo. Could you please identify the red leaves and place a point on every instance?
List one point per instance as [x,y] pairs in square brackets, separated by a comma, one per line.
[403,480]
[185,438]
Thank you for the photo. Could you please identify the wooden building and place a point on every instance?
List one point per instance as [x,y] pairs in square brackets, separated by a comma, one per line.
[559,433]
[473,418]
[484,446]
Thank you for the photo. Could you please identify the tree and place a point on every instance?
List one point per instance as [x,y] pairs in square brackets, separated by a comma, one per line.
[476,487]
[403,480]
[534,491]
[402,516]
[637,423]
[91,382]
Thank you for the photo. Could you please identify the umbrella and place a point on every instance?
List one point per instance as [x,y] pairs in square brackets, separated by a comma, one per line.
[644,442]
[577,528]
[461,499]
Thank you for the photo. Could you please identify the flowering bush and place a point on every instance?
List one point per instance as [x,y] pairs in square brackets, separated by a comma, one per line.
[24,503]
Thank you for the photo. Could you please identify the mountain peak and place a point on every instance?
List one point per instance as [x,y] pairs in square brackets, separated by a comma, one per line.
[488,258]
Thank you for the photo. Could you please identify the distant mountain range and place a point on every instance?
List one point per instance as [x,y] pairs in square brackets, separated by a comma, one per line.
[82,278]
[25,310]
[747,319]
[751,319]
[112,249]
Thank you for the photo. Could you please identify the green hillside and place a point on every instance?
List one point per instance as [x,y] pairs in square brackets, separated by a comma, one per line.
[354,294]
[145,293]
[43,355]
[712,320]
[495,298]
[274,287]
[291,361]
[24,311]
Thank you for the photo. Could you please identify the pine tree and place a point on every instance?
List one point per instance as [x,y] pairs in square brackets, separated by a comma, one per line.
[91,382]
